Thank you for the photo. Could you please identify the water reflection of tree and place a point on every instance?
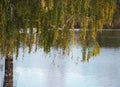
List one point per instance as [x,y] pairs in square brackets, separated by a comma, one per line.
[109,39]
[52,20]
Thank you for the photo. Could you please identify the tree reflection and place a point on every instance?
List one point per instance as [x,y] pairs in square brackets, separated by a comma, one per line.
[47,23]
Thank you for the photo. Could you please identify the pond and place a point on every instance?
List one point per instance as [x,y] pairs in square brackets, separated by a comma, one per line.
[62,70]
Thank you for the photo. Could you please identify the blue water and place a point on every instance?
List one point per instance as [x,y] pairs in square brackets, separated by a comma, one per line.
[40,70]
[57,70]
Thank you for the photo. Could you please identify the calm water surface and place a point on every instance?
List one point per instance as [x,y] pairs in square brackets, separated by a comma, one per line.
[57,70]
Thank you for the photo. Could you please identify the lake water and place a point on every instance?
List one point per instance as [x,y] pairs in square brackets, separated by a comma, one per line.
[57,70]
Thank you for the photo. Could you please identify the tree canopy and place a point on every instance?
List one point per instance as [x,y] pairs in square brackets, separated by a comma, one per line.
[46,23]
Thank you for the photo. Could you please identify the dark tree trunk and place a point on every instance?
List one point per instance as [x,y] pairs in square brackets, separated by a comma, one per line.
[8,78]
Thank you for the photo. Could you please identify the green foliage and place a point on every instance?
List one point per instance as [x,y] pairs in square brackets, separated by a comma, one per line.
[52,20]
